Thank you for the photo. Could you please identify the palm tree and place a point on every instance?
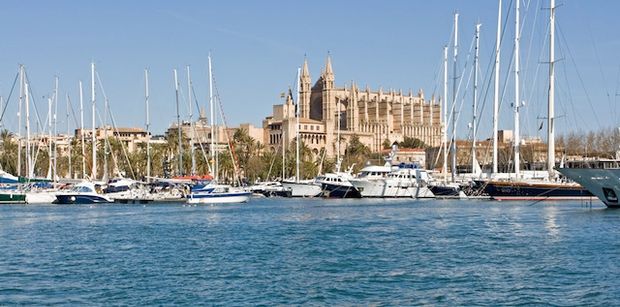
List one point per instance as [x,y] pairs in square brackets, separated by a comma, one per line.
[8,159]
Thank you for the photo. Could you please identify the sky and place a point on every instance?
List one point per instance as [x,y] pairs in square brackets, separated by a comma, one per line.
[256,47]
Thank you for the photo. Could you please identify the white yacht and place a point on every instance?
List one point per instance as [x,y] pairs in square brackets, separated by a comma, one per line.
[213,193]
[387,181]
[600,177]
[302,188]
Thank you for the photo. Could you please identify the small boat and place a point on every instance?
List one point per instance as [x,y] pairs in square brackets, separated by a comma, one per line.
[12,195]
[123,190]
[337,185]
[82,193]
[270,189]
[302,188]
[213,193]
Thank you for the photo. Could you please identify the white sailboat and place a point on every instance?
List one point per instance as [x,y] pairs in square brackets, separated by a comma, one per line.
[212,192]
[300,188]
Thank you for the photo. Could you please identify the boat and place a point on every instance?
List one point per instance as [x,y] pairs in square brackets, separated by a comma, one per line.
[82,193]
[600,177]
[12,195]
[270,189]
[551,186]
[213,193]
[302,188]
[338,185]
[41,192]
[405,180]
[123,190]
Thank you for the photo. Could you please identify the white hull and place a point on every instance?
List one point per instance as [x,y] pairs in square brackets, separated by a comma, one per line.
[384,188]
[302,189]
[603,183]
[40,197]
[219,198]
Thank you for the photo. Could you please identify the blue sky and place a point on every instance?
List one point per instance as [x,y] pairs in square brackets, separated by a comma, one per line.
[258,45]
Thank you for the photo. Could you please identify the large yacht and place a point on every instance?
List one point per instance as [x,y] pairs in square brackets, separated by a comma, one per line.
[405,180]
[600,177]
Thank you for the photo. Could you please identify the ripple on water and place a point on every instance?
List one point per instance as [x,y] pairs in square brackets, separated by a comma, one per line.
[311,252]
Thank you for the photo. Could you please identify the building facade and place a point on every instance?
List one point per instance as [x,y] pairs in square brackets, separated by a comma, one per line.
[328,113]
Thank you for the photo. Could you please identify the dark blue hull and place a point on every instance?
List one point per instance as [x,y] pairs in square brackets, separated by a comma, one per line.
[439,190]
[339,191]
[77,199]
[525,191]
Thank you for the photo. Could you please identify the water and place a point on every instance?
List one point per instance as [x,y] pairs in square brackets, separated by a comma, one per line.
[315,252]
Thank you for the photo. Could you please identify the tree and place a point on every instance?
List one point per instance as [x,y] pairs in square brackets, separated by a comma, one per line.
[409,142]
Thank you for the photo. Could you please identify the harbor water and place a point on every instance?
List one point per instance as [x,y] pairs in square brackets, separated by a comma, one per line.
[311,252]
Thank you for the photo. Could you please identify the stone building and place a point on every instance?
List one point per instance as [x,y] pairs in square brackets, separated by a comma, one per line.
[327,111]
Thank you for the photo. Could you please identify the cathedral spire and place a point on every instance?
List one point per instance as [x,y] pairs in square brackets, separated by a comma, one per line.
[304,71]
[328,66]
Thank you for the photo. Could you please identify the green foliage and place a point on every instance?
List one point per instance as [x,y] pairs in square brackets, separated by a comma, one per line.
[409,142]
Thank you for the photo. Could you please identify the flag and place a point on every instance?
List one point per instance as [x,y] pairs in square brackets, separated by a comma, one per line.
[541,126]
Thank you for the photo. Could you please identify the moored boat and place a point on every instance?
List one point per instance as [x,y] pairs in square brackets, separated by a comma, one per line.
[81,193]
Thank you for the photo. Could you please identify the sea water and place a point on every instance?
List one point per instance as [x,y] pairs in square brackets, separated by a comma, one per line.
[311,252]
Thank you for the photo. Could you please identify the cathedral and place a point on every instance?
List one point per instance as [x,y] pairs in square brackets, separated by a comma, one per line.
[328,113]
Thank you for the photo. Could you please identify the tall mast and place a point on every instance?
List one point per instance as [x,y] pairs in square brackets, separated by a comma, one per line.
[68,137]
[517,103]
[105,137]
[19,120]
[551,111]
[444,107]
[474,162]
[456,48]
[179,131]
[191,121]
[212,151]
[297,139]
[53,136]
[148,124]
[93,175]
[29,171]
[82,131]
[496,90]
[49,139]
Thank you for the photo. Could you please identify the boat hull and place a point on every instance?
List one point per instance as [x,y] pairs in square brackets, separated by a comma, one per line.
[302,189]
[12,198]
[383,189]
[603,183]
[339,191]
[40,197]
[219,198]
[535,191]
[75,199]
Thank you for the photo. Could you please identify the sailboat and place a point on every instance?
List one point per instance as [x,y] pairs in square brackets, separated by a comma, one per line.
[212,192]
[300,188]
[551,188]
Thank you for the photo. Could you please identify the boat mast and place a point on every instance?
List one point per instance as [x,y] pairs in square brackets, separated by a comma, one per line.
[444,107]
[105,135]
[49,138]
[474,162]
[551,103]
[29,173]
[148,124]
[179,132]
[496,90]
[212,151]
[19,120]
[517,103]
[456,31]
[297,140]
[93,175]
[82,131]
[191,122]
[53,136]
[69,138]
